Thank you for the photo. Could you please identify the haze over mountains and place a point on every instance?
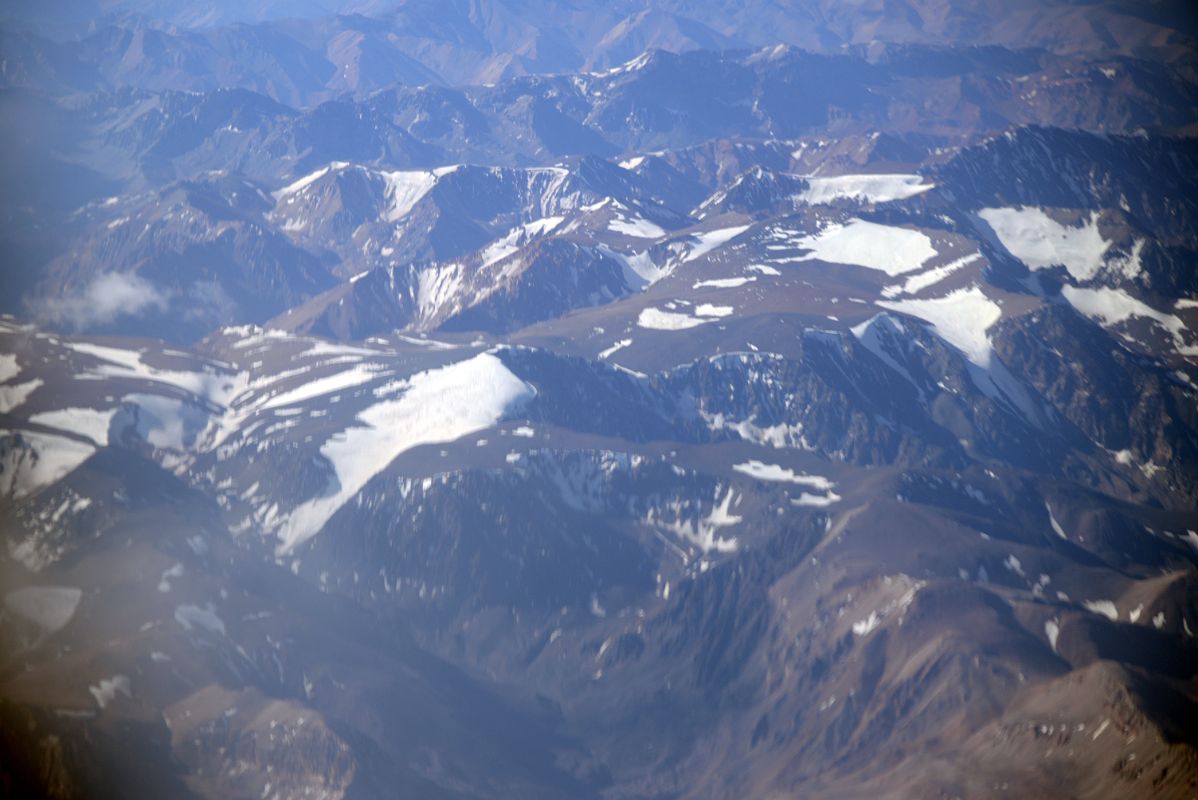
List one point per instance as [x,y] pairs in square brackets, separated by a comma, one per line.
[560,399]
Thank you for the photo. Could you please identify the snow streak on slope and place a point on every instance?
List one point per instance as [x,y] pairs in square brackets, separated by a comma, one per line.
[307,180]
[210,384]
[630,224]
[918,282]
[517,238]
[699,531]
[710,240]
[773,472]
[963,319]
[1113,306]
[879,334]
[356,375]
[439,405]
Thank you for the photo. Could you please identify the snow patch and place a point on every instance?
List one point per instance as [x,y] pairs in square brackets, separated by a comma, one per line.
[9,368]
[867,625]
[1113,306]
[862,188]
[404,191]
[620,345]
[338,382]
[701,532]
[42,460]
[164,582]
[639,269]
[773,472]
[897,605]
[920,281]
[658,320]
[1056,526]
[50,608]
[437,287]
[780,436]
[636,227]
[517,238]
[867,244]
[88,422]
[1052,629]
[440,405]
[710,310]
[13,396]
[307,180]
[1041,242]
[210,384]
[724,283]
[193,616]
[961,318]
[1104,607]
[815,500]
[106,690]
[710,240]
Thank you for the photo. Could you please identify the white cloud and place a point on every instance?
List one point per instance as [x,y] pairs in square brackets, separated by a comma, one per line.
[108,296]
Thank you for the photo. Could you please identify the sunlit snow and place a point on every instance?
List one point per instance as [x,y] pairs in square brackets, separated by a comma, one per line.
[773,472]
[50,608]
[867,244]
[961,318]
[47,458]
[1113,306]
[636,227]
[9,368]
[723,283]
[862,188]
[12,397]
[440,405]
[658,320]
[1104,607]
[89,422]
[710,240]
[1040,242]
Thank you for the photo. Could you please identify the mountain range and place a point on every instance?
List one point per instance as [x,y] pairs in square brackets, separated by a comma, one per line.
[560,400]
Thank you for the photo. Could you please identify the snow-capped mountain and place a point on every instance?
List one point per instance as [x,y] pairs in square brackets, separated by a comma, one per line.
[422,401]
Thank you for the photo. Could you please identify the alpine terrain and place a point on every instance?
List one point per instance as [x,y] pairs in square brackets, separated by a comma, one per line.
[639,400]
